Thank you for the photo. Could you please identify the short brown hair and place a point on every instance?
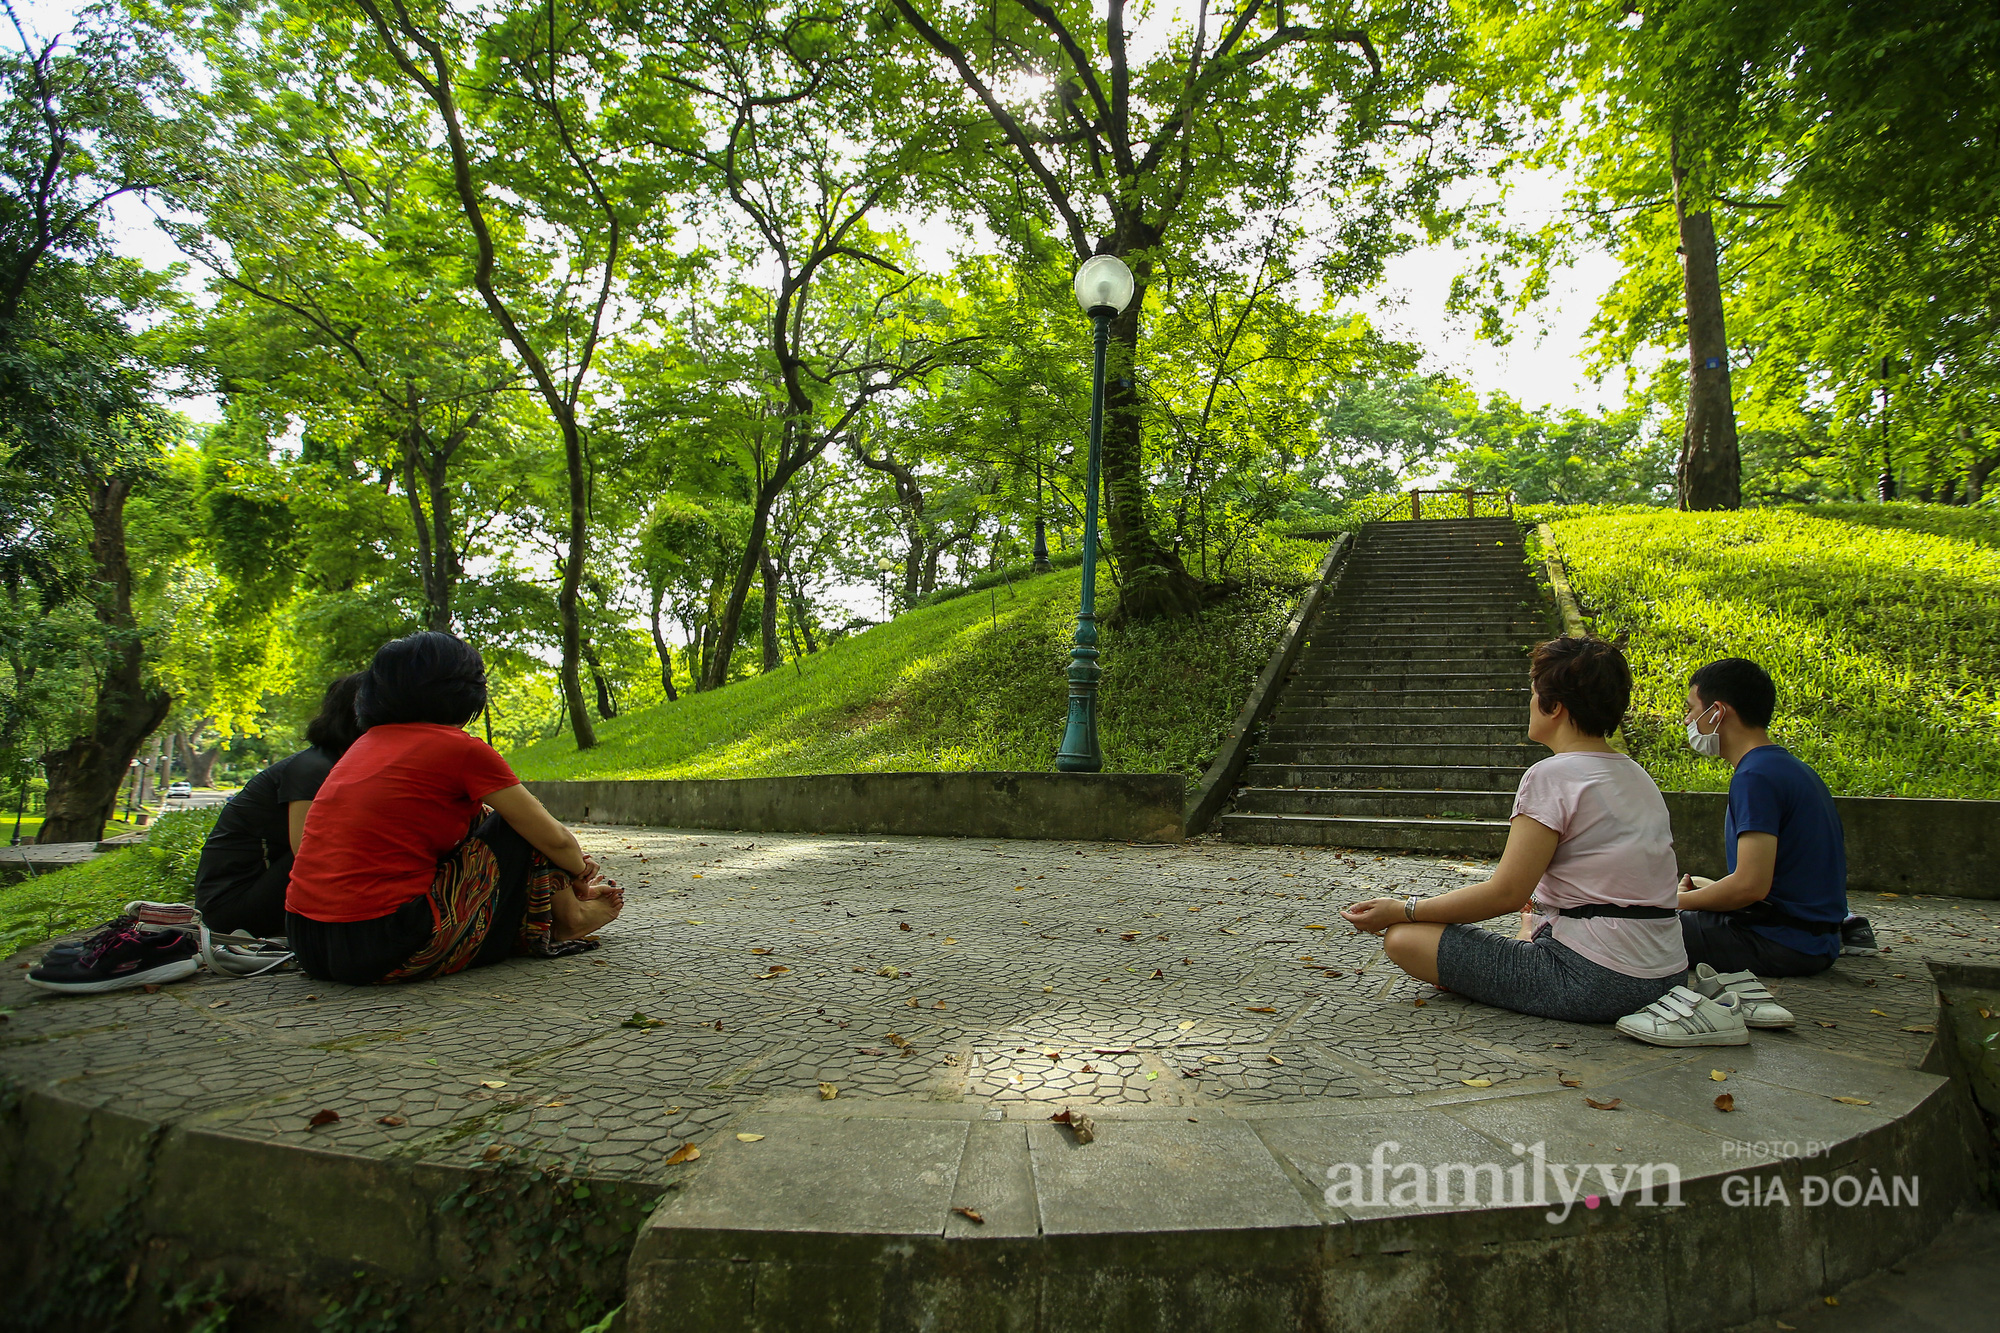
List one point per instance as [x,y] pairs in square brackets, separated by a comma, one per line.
[1588,676]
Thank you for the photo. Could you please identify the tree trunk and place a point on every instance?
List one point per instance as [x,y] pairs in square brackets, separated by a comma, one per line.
[665,653]
[1710,474]
[438,565]
[774,656]
[1976,473]
[607,702]
[1153,583]
[568,610]
[85,775]
[801,617]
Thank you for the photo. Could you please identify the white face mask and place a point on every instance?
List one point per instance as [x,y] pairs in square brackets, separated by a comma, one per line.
[1708,744]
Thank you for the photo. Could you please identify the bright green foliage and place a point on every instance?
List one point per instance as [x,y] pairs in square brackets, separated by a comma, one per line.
[1883,638]
[972,683]
[86,895]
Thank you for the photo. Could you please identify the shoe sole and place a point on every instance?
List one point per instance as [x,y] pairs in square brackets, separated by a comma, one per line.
[152,976]
[1849,951]
[1702,1039]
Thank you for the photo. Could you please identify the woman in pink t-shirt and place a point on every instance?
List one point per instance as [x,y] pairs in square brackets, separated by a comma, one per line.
[1589,863]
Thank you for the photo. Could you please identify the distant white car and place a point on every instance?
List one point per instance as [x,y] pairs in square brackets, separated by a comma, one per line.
[180,789]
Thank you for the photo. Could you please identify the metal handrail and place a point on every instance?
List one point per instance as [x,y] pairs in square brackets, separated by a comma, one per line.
[1471,497]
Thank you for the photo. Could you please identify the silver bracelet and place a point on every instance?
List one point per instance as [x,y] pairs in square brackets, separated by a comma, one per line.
[1410,908]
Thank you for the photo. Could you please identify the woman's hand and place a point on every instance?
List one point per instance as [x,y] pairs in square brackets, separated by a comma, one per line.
[1374,915]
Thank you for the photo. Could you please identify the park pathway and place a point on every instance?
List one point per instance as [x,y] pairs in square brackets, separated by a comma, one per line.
[1405,724]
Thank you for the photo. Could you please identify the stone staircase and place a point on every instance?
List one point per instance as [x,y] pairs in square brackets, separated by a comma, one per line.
[1404,725]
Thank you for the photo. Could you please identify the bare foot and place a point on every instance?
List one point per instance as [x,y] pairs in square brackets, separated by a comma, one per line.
[576,917]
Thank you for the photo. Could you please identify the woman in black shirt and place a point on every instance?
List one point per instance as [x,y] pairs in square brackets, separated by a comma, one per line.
[247,861]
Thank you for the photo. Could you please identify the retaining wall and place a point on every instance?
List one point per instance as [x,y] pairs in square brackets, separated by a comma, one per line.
[1094,807]
[1894,844]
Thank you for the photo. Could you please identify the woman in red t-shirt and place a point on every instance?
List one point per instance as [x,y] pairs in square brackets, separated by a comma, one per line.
[397,878]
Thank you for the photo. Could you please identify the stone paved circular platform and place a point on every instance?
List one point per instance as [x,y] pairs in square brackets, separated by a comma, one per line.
[1013,976]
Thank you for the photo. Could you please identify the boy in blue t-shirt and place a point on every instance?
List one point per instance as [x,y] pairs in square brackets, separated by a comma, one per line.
[1780,909]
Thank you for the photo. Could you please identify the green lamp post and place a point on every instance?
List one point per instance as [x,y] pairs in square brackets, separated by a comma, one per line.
[1104,287]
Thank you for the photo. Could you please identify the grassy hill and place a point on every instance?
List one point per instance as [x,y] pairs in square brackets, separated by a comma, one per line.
[972,683]
[1880,624]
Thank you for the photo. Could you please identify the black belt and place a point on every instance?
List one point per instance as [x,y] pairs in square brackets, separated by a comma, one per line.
[1617,910]
[1763,913]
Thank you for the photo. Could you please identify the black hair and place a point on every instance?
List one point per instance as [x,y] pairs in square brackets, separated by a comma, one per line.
[1588,677]
[1740,683]
[427,677]
[336,727]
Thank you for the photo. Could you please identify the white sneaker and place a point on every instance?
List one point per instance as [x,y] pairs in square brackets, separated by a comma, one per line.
[1760,1008]
[1683,1017]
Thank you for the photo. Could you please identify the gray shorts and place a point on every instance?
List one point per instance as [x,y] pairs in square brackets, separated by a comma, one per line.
[1541,977]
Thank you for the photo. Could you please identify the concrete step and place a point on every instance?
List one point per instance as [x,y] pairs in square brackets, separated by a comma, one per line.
[1338,653]
[1323,753]
[1299,712]
[1385,599]
[1329,673]
[1501,635]
[1391,777]
[1305,694]
[1418,729]
[1376,804]
[1455,837]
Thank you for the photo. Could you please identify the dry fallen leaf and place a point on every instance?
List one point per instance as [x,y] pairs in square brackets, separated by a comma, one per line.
[760,951]
[1477,1082]
[895,1040]
[1986,1013]
[148,989]
[1853,1101]
[687,1152]
[1184,1025]
[1826,1024]
[1833,1300]
[1129,935]
[903,925]
[1083,1127]
[1260,1008]
[1157,975]
[749,1138]
[322,1118]
[827,1092]
[1878,1013]
[1274,1059]
[1315,927]
[970,1215]
[492,1083]
[1921,1027]
[1716,1075]
[1726,1102]
[1061,1117]
[1596,1105]
[220,1004]
[1569,1082]
[641,1022]
[493,1153]
[869,1050]
[392,1121]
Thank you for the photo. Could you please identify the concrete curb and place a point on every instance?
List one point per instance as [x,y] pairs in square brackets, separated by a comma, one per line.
[1088,807]
[849,1217]
[1212,792]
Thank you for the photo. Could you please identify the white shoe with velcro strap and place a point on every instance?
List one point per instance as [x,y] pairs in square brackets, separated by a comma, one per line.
[1683,1017]
[1760,1008]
